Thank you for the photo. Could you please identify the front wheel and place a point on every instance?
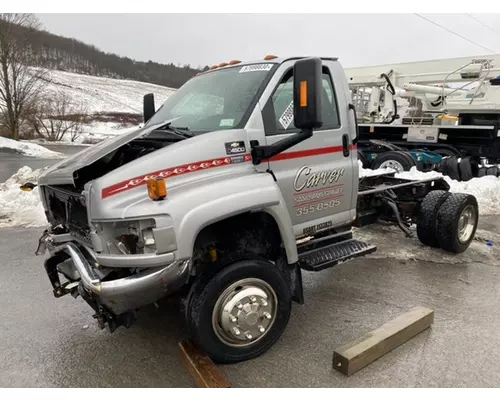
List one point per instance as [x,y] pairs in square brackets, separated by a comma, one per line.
[240,311]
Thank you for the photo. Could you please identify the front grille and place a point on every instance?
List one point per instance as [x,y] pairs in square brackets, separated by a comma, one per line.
[66,208]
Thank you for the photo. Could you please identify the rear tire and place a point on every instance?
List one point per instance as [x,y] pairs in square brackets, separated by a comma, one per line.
[465,169]
[427,217]
[213,303]
[492,171]
[398,160]
[457,221]
[450,168]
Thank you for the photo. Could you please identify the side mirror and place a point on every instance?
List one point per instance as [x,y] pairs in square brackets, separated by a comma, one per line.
[148,106]
[307,89]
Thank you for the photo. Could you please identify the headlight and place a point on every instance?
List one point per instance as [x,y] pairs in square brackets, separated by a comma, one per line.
[127,237]
[137,236]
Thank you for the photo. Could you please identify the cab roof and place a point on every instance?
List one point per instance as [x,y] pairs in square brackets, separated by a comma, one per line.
[266,59]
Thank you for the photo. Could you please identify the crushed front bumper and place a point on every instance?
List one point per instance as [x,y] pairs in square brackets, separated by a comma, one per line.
[117,296]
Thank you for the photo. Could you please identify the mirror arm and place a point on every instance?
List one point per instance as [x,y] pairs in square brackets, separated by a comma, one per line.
[261,153]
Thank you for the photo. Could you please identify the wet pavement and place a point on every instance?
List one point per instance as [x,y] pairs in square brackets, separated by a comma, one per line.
[55,342]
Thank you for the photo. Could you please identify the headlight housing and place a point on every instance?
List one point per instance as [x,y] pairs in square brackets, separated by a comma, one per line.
[127,237]
[144,236]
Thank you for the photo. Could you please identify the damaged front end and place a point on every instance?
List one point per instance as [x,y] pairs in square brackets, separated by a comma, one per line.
[113,293]
[117,265]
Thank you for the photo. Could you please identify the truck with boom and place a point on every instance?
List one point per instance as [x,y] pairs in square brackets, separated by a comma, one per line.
[245,177]
[448,108]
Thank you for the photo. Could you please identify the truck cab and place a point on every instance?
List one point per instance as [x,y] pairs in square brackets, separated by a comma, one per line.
[245,176]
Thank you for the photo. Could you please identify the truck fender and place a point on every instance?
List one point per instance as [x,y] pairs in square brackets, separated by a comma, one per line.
[227,198]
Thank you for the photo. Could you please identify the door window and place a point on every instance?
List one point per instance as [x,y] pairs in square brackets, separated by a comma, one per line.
[282,100]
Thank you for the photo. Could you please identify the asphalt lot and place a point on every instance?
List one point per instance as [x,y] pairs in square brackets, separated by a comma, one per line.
[55,342]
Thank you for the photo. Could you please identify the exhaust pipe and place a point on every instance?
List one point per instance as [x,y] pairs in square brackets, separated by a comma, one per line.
[132,292]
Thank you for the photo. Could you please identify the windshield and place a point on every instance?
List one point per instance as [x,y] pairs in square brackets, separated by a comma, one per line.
[216,100]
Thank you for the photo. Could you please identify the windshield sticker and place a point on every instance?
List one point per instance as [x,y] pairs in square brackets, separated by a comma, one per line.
[235,148]
[226,122]
[256,67]
[287,117]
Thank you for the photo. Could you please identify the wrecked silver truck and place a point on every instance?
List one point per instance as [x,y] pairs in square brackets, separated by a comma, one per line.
[247,175]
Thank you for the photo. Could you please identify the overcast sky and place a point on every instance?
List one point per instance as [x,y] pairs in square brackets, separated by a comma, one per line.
[205,39]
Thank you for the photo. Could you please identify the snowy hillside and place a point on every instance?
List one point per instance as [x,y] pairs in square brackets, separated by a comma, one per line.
[104,95]
[103,99]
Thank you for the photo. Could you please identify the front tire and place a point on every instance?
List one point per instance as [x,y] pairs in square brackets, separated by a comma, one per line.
[239,311]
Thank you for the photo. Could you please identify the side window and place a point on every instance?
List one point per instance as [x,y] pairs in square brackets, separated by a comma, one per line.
[283,105]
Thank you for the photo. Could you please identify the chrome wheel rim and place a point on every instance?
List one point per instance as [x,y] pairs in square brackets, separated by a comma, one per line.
[244,312]
[392,164]
[466,224]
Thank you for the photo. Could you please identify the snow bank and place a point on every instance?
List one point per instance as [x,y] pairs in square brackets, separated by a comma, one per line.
[486,189]
[28,149]
[18,208]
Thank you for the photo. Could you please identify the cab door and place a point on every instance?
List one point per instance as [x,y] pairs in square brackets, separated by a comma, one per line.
[316,176]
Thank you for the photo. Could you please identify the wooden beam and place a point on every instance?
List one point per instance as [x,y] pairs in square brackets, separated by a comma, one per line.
[357,354]
[201,367]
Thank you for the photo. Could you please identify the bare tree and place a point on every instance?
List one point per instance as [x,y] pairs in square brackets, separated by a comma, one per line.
[55,117]
[20,84]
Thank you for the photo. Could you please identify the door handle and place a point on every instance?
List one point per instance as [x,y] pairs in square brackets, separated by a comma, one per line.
[345,145]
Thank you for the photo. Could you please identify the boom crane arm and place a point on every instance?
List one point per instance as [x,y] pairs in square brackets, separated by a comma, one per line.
[375,88]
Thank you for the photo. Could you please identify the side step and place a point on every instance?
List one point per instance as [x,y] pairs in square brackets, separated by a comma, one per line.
[333,254]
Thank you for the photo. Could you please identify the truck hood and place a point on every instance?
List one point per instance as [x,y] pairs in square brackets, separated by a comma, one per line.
[63,172]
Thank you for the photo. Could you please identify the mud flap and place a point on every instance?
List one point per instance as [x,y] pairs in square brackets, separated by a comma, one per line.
[297,289]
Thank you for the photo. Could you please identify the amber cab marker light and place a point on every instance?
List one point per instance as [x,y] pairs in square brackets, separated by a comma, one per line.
[233,62]
[270,57]
[303,93]
[214,67]
[223,65]
[157,189]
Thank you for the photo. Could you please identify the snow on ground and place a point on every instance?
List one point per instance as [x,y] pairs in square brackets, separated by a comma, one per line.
[28,149]
[18,208]
[486,189]
[385,237]
[104,95]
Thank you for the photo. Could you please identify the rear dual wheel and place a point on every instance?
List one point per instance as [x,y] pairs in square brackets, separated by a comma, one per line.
[448,220]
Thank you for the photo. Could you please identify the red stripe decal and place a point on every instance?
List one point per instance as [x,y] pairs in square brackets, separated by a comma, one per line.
[209,164]
[170,172]
[306,153]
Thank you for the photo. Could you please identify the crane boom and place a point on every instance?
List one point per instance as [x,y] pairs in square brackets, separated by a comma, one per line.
[424,72]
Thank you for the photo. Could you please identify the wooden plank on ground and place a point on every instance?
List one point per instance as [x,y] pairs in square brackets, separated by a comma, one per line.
[360,352]
[201,367]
